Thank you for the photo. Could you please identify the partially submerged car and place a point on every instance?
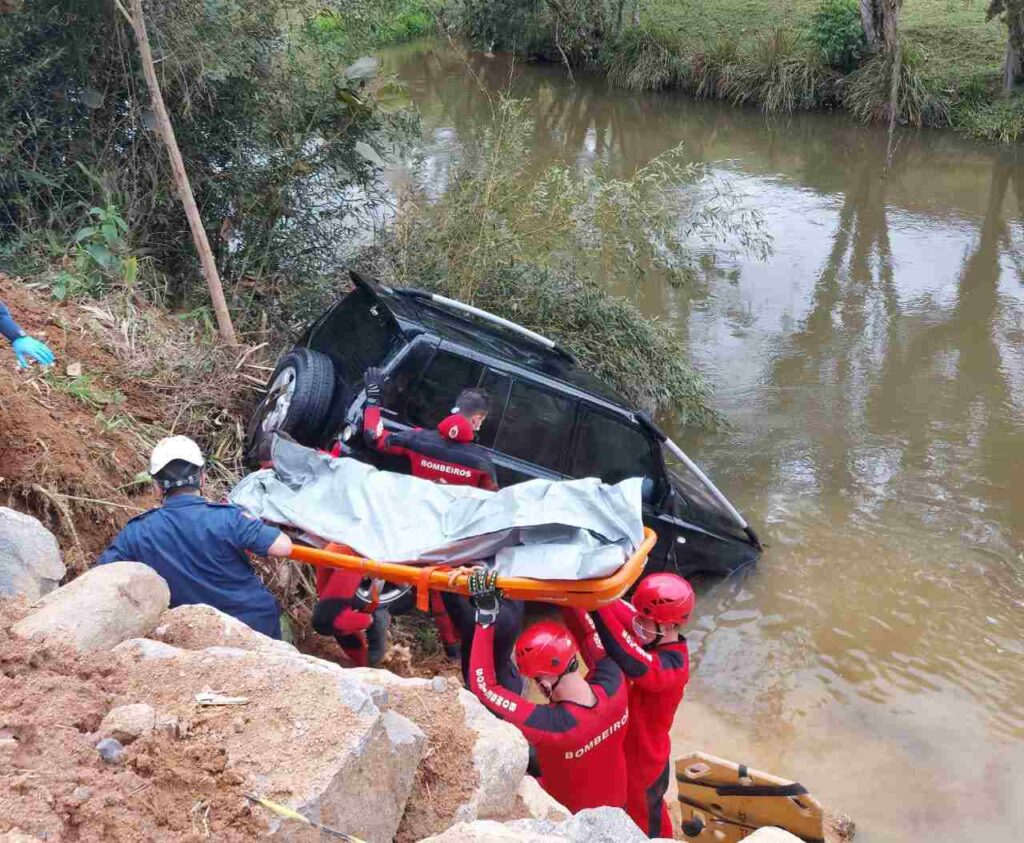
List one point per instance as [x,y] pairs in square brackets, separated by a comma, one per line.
[548,417]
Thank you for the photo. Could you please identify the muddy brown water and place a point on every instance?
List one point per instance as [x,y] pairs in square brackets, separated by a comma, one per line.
[872,369]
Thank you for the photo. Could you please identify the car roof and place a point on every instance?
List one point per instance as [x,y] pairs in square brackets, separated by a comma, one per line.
[416,314]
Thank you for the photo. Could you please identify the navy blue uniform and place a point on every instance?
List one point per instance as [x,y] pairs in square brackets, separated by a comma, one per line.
[199,548]
[8,327]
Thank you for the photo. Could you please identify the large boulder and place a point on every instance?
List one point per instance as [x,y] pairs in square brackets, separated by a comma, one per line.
[539,804]
[594,825]
[101,608]
[480,760]
[30,563]
[309,736]
[196,627]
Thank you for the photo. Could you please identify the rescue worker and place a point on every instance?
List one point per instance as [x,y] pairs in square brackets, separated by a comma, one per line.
[579,734]
[653,654]
[199,547]
[446,455]
[26,348]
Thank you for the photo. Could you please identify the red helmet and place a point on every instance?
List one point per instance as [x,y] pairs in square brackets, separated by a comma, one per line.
[664,598]
[546,647]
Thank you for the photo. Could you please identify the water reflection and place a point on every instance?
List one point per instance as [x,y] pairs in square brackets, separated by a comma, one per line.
[873,372]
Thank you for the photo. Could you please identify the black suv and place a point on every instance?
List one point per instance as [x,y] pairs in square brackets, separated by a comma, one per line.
[548,418]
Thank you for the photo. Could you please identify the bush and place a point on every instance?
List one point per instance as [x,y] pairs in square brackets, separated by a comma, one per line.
[778,74]
[838,35]
[534,247]
[998,120]
[868,89]
[645,58]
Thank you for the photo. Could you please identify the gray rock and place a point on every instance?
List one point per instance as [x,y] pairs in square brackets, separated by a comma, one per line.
[489,831]
[101,608]
[500,756]
[311,734]
[81,794]
[438,684]
[770,834]
[30,563]
[594,825]
[540,804]
[127,723]
[110,750]
[198,626]
[602,825]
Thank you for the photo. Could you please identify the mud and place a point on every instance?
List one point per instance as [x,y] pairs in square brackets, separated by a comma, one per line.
[52,781]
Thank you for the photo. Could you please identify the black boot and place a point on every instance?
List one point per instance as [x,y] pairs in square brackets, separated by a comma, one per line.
[377,636]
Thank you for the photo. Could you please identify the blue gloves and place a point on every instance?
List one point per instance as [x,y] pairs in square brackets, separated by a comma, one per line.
[30,347]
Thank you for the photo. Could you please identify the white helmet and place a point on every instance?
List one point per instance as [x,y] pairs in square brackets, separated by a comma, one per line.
[174,448]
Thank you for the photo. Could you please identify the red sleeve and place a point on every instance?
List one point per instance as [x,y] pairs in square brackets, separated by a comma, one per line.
[488,482]
[376,436]
[582,629]
[644,668]
[540,724]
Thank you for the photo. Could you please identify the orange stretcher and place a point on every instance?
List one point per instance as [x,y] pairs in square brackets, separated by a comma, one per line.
[587,594]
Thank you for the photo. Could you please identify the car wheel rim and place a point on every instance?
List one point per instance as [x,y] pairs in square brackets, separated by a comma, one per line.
[389,592]
[280,394]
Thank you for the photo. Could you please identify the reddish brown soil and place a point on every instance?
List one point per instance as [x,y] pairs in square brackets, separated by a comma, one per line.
[52,781]
[71,444]
[446,777]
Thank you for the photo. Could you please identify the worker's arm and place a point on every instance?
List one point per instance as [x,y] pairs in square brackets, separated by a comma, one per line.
[374,434]
[582,628]
[120,549]
[8,327]
[646,669]
[253,535]
[540,724]
[282,546]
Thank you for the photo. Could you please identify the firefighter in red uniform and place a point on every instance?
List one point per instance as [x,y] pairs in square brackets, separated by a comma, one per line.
[579,734]
[658,667]
[446,455]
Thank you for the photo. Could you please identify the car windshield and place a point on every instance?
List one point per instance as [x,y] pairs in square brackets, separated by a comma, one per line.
[694,502]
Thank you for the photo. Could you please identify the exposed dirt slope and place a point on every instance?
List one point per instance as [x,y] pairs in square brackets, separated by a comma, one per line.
[53,782]
[73,439]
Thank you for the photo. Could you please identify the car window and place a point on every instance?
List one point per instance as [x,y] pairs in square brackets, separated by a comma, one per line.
[359,332]
[404,375]
[611,450]
[497,386]
[536,426]
[433,395]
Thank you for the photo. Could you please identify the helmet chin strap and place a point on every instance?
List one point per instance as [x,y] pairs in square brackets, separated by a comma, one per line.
[573,664]
[654,642]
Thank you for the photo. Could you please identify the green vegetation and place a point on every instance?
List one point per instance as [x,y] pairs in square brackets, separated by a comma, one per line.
[779,56]
[537,248]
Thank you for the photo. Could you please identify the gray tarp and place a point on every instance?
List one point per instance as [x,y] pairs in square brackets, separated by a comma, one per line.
[573,529]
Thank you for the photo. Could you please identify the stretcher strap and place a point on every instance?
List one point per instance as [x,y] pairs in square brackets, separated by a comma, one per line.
[423,586]
[793,789]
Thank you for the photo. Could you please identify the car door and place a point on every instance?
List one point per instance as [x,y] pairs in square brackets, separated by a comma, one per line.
[532,436]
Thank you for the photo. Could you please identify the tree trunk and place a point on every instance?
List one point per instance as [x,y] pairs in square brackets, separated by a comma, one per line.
[890,25]
[870,22]
[636,12]
[1013,67]
[163,121]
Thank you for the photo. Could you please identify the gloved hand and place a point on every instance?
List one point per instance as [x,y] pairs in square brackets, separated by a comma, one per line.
[30,347]
[374,378]
[484,596]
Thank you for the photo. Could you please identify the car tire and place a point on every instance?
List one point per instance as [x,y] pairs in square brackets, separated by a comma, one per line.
[298,401]
[397,599]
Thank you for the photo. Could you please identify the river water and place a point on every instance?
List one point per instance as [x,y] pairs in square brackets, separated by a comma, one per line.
[872,370]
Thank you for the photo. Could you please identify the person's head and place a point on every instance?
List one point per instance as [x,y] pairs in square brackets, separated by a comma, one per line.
[547,654]
[473,405]
[663,603]
[176,466]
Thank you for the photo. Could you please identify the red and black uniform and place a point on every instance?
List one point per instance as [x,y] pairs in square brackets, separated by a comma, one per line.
[657,679]
[579,749]
[446,455]
[335,614]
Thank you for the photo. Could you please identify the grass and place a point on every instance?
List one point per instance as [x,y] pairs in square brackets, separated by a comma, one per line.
[753,52]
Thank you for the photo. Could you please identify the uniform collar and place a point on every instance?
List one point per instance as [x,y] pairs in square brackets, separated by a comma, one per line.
[183,500]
